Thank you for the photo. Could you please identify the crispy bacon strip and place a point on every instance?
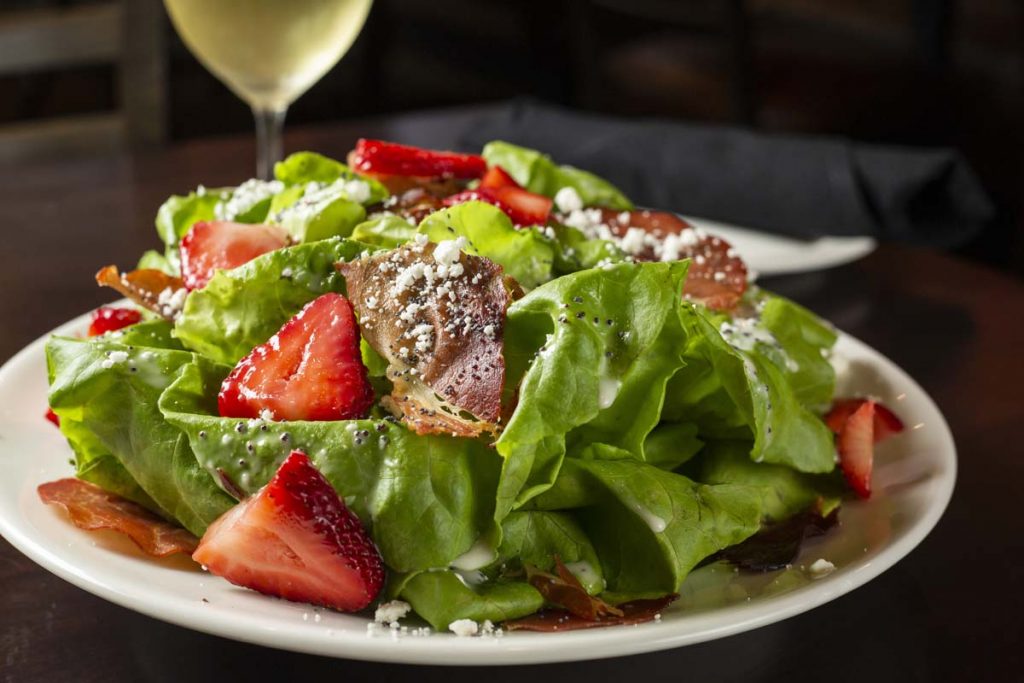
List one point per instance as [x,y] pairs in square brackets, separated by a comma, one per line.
[143,286]
[442,336]
[565,590]
[92,508]
[635,612]
[717,276]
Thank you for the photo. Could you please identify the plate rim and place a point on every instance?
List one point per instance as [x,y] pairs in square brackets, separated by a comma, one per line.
[519,648]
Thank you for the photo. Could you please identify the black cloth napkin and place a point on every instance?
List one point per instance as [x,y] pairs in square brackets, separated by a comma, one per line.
[799,186]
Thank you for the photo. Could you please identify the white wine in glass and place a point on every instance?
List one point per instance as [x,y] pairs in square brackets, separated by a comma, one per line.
[268,51]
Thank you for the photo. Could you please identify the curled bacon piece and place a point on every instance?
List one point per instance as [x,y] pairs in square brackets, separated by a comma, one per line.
[144,286]
[565,590]
[92,508]
[635,612]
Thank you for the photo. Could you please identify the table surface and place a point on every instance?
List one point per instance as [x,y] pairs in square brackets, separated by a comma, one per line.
[949,611]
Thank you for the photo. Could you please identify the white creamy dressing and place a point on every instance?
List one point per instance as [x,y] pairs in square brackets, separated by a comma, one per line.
[585,572]
[479,555]
[607,390]
[656,523]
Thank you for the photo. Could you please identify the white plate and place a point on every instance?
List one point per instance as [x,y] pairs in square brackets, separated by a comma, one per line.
[777,255]
[914,480]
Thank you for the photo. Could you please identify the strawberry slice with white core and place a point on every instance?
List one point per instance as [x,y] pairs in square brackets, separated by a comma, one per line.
[295,539]
[887,423]
[310,370]
[856,445]
[221,245]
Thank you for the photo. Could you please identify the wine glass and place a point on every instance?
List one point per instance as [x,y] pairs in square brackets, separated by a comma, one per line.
[268,52]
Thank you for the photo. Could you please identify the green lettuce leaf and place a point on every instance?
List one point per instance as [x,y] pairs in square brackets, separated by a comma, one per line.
[573,251]
[536,537]
[730,393]
[782,490]
[249,202]
[525,254]
[671,444]
[442,597]
[301,168]
[606,342]
[805,340]
[109,393]
[317,211]
[245,306]
[386,231]
[536,172]
[651,527]
[426,499]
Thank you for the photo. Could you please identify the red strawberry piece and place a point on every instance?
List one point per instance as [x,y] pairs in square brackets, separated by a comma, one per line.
[52,416]
[375,157]
[523,207]
[886,422]
[295,539]
[108,319]
[856,445]
[310,370]
[496,177]
[221,245]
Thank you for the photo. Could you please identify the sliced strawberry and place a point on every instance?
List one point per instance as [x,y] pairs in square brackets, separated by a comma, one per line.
[496,177]
[52,416]
[108,319]
[295,539]
[310,370]
[389,158]
[221,245]
[523,207]
[886,422]
[856,445]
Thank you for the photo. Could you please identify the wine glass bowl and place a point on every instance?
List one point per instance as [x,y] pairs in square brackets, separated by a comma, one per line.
[268,52]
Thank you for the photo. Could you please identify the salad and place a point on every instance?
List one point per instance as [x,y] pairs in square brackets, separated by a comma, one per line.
[483,389]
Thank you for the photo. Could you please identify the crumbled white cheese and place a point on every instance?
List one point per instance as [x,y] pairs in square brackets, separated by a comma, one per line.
[391,612]
[171,301]
[464,628]
[245,197]
[568,199]
[357,190]
[447,252]
[821,567]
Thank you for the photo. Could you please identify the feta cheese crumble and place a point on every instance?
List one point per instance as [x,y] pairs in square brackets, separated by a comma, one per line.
[464,628]
[821,567]
[568,199]
[391,612]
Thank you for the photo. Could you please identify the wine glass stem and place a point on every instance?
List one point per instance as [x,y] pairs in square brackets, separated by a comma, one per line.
[269,123]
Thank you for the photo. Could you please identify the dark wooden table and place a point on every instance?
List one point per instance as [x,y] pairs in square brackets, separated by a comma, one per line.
[949,611]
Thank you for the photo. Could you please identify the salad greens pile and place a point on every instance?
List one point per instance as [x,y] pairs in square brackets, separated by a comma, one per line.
[648,432]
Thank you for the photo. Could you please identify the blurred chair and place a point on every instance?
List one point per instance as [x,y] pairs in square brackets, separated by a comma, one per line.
[127,34]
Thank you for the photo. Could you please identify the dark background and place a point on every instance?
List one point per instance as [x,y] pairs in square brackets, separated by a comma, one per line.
[914,72]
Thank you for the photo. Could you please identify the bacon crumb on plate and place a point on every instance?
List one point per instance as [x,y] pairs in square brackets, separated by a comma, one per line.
[91,508]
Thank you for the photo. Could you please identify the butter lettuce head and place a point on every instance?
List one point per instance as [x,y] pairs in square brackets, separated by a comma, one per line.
[538,173]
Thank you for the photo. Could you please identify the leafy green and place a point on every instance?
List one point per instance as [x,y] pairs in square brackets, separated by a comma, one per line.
[671,444]
[301,168]
[573,251]
[245,306]
[426,498]
[155,333]
[783,491]
[109,393]
[536,537]
[730,393]
[606,342]
[525,254]
[536,172]
[155,260]
[441,597]
[803,337]
[651,527]
[386,231]
[315,212]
